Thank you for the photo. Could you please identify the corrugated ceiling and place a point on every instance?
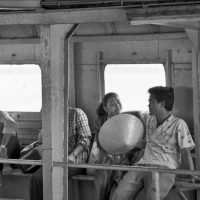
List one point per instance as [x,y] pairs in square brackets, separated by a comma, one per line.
[113,3]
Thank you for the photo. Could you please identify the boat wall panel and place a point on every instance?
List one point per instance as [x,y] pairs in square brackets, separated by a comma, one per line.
[181,50]
[129,52]
[19,31]
[20,53]
[184,96]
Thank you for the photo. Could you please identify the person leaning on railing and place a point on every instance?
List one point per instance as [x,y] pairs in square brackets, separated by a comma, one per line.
[9,144]
[167,140]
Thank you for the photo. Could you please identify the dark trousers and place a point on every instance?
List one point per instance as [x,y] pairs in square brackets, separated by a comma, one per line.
[36,182]
[13,150]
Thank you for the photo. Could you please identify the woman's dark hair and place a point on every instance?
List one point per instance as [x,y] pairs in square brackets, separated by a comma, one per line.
[100,111]
[101,114]
[108,96]
[165,94]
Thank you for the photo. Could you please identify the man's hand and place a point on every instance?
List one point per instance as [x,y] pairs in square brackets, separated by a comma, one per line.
[194,179]
[72,158]
[39,149]
[3,151]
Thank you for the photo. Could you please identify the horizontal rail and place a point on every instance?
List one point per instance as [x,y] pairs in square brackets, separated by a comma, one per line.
[179,183]
[21,161]
[126,168]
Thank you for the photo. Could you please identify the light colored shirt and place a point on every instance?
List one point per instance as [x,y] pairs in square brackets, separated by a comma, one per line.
[164,143]
[10,125]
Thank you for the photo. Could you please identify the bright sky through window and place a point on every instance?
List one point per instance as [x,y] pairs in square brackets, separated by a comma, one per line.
[132,81]
[20,88]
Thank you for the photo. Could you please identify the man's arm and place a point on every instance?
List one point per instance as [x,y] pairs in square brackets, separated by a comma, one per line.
[187,159]
[188,163]
[10,126]
[72,156]
[186,144]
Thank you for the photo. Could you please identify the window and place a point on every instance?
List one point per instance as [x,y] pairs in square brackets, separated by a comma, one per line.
[132,81]
[20,88]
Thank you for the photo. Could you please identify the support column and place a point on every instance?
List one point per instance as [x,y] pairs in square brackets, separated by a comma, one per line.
[169,69]
[98,76]
[194,36]
[156,185]
[53,109]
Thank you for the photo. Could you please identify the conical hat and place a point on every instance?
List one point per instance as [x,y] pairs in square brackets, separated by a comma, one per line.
[121,133]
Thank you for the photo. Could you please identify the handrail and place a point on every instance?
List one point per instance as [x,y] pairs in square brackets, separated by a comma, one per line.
[154,170]
[126,168]
[21,161]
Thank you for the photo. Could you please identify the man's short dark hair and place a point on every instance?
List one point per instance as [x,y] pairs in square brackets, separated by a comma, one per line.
[165,94]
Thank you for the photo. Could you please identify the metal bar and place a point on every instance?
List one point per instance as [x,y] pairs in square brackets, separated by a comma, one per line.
[21,161]
[126,168]
[156,186]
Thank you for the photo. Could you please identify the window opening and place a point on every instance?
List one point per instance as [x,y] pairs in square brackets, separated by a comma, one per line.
[20,88]
[132,81]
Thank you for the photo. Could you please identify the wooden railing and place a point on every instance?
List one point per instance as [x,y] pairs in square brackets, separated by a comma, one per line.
[180,185]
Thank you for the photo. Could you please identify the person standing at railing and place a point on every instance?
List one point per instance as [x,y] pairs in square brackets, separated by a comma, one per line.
[167,141]
[79,137]
[9,144]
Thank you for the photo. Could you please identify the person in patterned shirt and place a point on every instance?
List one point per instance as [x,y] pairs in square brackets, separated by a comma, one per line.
[79,136]
[167,141]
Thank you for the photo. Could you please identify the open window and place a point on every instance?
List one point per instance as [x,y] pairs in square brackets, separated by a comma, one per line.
[20,88]
[132,81]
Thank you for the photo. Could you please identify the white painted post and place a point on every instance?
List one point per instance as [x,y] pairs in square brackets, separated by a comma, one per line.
[194,36]
[156,185]
[53,110]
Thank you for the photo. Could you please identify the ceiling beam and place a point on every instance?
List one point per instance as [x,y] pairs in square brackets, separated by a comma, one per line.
[140,16]
[63,16]
[102,38]
[164,15]
[136,37]
[20,3]
[193,26]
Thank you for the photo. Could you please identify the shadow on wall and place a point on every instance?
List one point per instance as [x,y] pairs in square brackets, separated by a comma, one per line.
[183,105]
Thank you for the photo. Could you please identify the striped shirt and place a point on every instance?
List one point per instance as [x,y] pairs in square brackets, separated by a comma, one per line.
[79,134]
